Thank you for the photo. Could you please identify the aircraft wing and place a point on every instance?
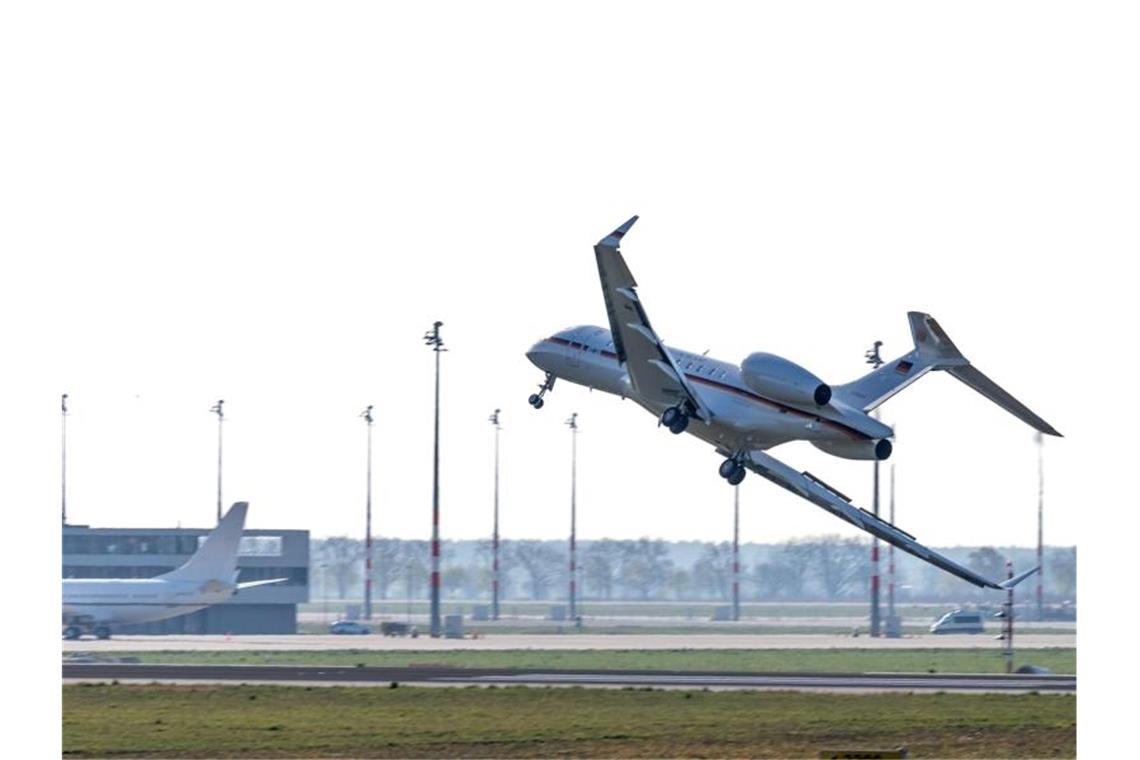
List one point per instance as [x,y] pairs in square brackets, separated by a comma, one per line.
[805,485]
[653,373]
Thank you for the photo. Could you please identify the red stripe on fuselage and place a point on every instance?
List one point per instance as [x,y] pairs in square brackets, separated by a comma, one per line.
[750,395]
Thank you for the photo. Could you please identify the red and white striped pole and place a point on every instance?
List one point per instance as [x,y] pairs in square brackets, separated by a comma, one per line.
[573,424]
[367,415]
[433,340]
[1040,525]
[1009,619]
[892,629]
[873,358]
[494,419]
[736,553]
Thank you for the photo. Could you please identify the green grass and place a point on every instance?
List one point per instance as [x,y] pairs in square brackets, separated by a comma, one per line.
[1059,660]
[282,722]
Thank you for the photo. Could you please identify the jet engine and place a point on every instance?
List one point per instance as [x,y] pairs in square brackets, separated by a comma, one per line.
[868,449]
[777,378]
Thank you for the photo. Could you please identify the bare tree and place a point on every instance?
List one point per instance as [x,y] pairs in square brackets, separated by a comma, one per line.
[385,564]
[1063,571]
[543,564]
[713,571]
[601,561]
[796,558]
[644,566]
[343,558]
[840,565]
[987,562]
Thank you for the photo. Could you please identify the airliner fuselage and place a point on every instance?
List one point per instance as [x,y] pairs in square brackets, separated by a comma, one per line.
[741,417]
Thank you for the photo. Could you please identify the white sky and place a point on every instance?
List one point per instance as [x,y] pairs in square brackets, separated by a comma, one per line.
[272,207]
[270,202]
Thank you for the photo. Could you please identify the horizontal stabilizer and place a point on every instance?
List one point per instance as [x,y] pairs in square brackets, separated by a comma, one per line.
[1008,584]
[973,377]
[254,584]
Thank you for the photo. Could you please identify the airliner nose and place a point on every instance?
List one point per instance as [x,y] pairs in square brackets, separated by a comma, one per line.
[540,354]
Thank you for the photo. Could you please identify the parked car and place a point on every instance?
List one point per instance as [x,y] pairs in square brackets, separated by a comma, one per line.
[349,627]
[959,621]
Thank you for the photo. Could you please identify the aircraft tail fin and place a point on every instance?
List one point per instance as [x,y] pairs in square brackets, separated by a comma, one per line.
[933,350]
[216,558]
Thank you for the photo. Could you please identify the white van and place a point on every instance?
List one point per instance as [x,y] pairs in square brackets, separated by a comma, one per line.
[959,621]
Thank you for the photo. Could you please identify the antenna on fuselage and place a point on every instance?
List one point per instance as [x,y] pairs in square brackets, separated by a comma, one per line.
[872,355]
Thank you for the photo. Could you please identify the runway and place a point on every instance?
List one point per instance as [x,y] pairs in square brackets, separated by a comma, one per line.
[434,675]
[554,642]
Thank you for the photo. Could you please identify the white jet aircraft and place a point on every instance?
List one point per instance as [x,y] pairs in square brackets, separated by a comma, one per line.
[208,577]
[765,401]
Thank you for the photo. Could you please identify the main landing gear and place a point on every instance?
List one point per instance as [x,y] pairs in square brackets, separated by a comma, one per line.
[535,399]
[732,470]
[676,419]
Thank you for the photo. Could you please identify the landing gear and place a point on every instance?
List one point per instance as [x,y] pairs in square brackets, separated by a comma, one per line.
[732,470]
[676,419]
[102,632]
[72,632]
[535,399]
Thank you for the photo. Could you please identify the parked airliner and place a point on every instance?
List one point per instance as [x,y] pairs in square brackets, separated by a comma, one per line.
[743,410]
[94,605]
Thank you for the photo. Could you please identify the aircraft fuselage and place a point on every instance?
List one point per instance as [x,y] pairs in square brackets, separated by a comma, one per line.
[742,418]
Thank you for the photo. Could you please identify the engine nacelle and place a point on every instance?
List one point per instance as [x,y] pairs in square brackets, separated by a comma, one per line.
[867,450]
[777,378]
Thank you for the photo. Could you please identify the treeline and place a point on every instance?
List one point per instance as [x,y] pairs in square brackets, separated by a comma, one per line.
[818,568]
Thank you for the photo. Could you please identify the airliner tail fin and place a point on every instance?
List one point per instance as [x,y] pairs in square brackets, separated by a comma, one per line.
[216,558]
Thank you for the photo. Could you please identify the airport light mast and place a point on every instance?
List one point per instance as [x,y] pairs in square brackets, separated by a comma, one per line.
[872,357]
[736,553]
[367,416]
[217,409]
[435,342]
[1007,614]
[1040,525]
[894,625]
[573,425]
[494,420]
[63,456]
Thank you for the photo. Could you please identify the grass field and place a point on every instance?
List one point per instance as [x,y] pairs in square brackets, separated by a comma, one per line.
[1060,660]
[281,722]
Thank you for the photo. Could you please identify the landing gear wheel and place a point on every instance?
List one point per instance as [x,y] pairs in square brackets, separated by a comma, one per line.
[547,384]
[72,632]
[727,467]
[102,632]
[736,476]
[675,419]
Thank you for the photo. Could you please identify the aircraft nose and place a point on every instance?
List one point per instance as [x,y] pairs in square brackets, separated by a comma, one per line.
[540,354]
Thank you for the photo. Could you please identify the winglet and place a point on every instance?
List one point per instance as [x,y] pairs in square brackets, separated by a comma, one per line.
[1010,583]
[613,239]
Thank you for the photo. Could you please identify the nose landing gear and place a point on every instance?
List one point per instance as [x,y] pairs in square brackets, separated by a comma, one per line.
[535,399]
[732,470]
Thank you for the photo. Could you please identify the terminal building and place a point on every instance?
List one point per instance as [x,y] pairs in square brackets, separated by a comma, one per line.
[148,552]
